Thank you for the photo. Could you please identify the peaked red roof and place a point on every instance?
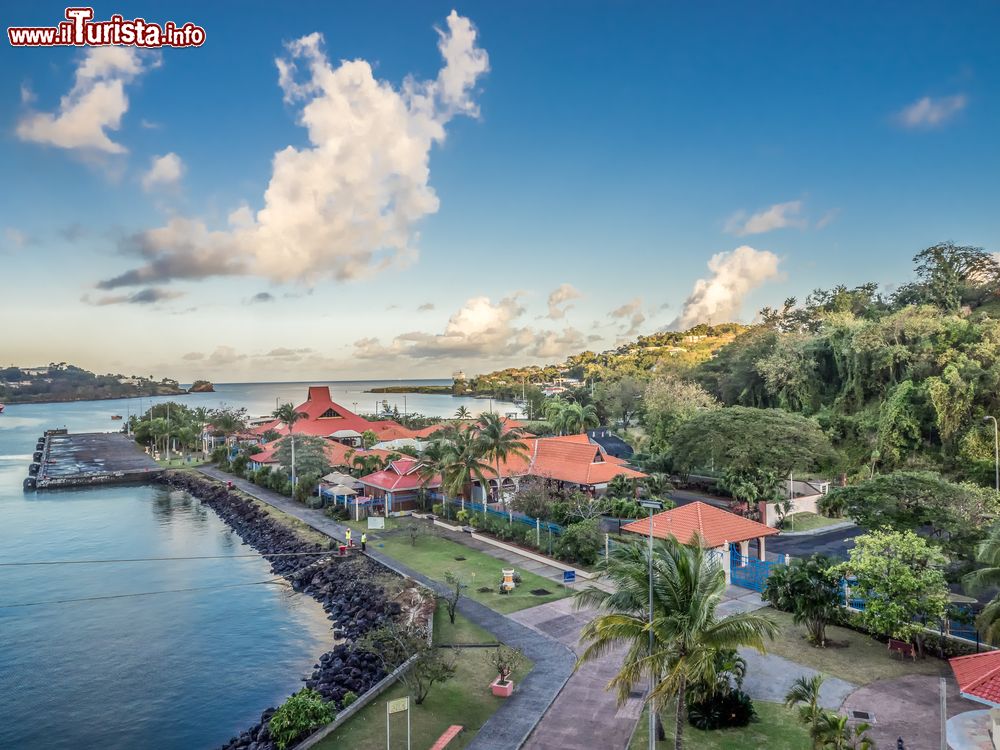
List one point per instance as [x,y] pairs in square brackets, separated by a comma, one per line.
[324,416]
[978,676]
[401,475]
[569,458]
[688,522]
[336,453]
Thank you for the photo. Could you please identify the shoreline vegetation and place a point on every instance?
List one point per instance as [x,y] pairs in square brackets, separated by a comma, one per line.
[62,383]
[445,390]
[358,594]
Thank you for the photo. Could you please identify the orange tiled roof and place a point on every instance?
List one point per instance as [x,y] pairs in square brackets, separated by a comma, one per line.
[337,454]
[569,458]
[978,676]
[714,525]
[400,475]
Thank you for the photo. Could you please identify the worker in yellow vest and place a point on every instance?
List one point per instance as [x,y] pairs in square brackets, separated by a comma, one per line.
[364,540]
[347,536]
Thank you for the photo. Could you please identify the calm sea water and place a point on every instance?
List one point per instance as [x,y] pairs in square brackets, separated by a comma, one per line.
[174,671]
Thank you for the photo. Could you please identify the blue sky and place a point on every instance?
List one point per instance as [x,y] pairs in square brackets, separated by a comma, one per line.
[612,147]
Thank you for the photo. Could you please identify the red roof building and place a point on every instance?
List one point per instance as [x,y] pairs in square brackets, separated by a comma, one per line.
[337,454]
[712,525]
[399,485]
[978,676]
[324,417]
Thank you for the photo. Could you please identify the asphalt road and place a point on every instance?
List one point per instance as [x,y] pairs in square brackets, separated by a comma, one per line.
[834,544]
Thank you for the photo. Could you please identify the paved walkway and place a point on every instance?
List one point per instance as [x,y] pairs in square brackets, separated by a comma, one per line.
[584,715]
[553,662]
[908,707]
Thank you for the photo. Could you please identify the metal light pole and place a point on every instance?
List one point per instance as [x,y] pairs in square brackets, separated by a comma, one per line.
[996,449]
[651,505]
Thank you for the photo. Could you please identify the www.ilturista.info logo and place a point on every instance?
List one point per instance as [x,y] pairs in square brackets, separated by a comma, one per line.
[79,29]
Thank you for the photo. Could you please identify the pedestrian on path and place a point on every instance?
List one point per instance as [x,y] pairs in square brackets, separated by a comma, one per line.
[347,536]
[364,540]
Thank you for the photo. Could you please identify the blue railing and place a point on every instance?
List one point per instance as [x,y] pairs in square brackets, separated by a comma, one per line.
[474,508]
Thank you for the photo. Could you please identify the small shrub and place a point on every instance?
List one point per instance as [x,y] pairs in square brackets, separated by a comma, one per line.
[349,697]
[299,715]
[462,517]
[732,709]
[437,509]
[581,542]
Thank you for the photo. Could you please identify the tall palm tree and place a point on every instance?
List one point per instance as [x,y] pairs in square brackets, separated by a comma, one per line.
[499,444]
[687,636]
[287,415]
[571,418]
[804,693]
[462,413]
[462,460]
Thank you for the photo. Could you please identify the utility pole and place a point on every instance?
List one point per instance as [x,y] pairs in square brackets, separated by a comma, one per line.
[651,505]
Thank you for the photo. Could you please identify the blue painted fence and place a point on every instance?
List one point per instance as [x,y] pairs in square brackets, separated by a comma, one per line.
[477,508]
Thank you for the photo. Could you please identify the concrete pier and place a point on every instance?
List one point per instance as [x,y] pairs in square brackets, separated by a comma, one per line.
[88,458]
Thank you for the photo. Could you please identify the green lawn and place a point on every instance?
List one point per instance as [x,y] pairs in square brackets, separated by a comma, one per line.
[434,555]
[851,656]
[777,729]
[464,631]
[466,699]
[808,522]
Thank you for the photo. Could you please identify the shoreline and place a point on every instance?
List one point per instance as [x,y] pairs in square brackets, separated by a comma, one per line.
[74,399]
[346,588]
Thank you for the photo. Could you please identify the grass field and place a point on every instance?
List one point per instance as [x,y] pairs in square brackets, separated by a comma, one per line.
[434,555]
[466,700]
[851,656]
[777,729]
[808,522]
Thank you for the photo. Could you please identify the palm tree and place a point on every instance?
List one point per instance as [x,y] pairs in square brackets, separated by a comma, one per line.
[687,636]
[287,415]
[368,463]
[834,733]
[570,418]
[461,460]
[462,413]
[988,553]
[804,693]
[499,444]
[657,485]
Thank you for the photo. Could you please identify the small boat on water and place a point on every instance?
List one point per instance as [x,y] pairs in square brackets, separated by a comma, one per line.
[116,416]
[1,408]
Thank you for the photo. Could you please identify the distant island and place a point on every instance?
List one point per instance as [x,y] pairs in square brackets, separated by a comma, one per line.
[446,390]
[59,381]
[201,386]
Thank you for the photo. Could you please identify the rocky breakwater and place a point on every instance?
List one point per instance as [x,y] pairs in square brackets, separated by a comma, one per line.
[352,591]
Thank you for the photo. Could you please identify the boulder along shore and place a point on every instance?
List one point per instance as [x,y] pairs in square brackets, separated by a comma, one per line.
[346,587]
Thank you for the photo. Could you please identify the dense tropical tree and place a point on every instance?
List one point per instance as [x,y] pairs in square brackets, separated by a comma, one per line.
[310,455]
[458,457]
[809,589]
[986,577]
[688,586]
[901,579]
[498,444]
[570,418]
[368,439]
[743,437]
[287,415]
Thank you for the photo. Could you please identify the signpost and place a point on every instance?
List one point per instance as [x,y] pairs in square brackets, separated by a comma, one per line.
[394,707]
[376,522]
[569,576]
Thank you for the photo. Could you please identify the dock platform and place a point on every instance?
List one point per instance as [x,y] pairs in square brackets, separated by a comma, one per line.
[88,458]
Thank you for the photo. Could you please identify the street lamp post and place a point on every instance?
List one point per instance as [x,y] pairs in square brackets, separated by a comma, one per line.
[651,505]
[996,450]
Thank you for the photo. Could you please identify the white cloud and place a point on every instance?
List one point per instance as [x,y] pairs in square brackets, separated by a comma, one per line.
[15,238]
[481,328]
[558,299]
[719,298]
[631,316]
[94,106]
[930,112]
[164,172]
[27,95]
[827,218]
[778,216]
[347,205]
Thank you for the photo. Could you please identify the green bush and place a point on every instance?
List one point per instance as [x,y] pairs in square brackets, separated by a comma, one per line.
[581,542]
[300,714]
[438,509]
[349,697]
[462,517]
[732,709]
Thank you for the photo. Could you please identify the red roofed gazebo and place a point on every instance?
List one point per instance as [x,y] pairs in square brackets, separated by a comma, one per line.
[978,677]
[716,528]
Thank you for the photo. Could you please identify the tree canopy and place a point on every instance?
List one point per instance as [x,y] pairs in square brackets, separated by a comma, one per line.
[742,437]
